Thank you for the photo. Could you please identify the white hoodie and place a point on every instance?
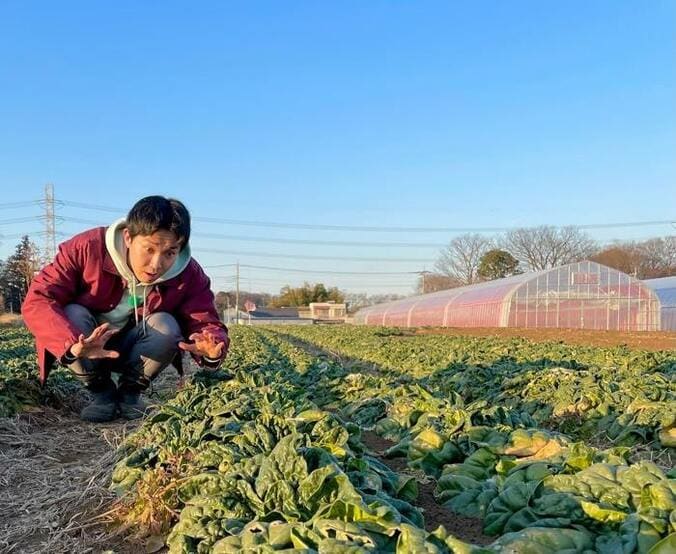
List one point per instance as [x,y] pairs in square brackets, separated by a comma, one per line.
[119,316]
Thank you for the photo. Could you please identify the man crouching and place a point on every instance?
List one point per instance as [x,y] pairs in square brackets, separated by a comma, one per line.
[122,299]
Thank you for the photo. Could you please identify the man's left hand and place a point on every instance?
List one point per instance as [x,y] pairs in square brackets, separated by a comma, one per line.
[204,344]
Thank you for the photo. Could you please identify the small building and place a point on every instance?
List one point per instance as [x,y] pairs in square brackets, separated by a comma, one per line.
[324,311]
[266,316]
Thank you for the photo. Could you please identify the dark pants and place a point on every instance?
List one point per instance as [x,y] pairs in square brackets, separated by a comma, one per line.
[142,356]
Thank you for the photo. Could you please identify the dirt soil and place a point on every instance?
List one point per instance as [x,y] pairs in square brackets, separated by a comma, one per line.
[662,340]
[54,476]
[11,319]
[54,470]
[465,528]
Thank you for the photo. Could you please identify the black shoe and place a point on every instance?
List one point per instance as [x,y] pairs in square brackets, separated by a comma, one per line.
[103,406]
[131,405]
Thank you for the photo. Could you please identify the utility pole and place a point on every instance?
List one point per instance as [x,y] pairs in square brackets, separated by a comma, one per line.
[50,226]
[422,275]
[237,296]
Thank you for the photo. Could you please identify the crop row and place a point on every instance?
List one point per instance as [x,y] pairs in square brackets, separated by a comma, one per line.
[271,459]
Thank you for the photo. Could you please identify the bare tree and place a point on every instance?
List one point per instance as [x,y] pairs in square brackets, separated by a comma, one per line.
[545,247]
[657,257]
[433,282]
[645,260]
[621,256]
[461,258]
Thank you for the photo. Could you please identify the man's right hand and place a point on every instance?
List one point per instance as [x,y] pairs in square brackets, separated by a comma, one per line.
[92,346]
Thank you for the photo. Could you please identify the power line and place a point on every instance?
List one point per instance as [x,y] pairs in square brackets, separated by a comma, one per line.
[321,242]
[80,220]
[90,206]
[20,235]
[24,204]
[393,229]
[20,220]
[283,280]
[311,257]
[329,272]
[285,240]
[418,229]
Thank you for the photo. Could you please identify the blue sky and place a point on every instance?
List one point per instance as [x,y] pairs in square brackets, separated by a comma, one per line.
[402,114]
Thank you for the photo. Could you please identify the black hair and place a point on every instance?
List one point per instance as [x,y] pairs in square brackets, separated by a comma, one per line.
[155,213]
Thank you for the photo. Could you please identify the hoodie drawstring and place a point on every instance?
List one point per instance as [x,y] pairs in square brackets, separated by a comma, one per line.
[145,291]
[135,300]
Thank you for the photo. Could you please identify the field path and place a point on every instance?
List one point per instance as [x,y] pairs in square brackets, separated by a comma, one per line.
[54,474]
[54,470]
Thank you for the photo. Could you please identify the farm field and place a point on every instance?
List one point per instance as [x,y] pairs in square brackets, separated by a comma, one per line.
[645,340]
[352,439]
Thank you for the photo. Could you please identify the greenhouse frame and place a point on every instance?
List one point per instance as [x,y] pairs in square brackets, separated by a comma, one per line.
[582,295]
[665,289]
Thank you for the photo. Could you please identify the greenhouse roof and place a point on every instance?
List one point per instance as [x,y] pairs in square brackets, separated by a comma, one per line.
[665,288]
[583,294]
[504,283]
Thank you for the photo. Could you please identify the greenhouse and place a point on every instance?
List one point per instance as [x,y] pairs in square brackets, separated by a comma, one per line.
[583,295]
[665,289]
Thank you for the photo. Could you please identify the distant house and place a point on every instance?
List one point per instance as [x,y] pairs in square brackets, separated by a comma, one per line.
[273,313]
[324,311]
[266,316]
[316,312]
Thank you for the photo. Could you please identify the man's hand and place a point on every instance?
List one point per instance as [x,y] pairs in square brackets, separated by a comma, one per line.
[92,346]
[204,344]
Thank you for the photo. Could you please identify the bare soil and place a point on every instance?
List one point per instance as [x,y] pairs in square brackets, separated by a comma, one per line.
[645,340]
[465,528]
[55,469]
[54,475]
[11,319]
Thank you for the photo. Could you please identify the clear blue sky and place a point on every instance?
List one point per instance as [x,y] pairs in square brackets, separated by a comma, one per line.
[435,114]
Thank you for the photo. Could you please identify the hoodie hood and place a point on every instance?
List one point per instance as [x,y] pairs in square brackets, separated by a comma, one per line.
[118,252]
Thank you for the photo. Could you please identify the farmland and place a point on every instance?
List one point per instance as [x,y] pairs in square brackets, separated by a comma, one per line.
[346,439]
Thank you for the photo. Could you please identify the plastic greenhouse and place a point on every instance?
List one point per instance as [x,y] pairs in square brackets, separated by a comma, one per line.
[583,295]
[665,289]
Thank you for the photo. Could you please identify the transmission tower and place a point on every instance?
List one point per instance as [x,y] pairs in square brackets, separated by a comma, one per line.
[50,226]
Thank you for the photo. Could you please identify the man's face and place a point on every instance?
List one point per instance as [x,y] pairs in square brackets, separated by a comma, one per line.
[150,256]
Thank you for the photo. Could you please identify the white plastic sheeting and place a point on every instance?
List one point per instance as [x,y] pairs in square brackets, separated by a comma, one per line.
[665,289]
[583,295]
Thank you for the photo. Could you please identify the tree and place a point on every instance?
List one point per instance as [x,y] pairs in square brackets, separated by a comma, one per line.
[657,257]
[382,298]
[303,295]
[496,264]
[545,247]
[433,282]
[18,272]
[221,301]
[224,300]
[623,257]
[649,259]
[358,300]
[460,259]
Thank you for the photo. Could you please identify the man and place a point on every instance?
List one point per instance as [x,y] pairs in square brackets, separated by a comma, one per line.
[122,299]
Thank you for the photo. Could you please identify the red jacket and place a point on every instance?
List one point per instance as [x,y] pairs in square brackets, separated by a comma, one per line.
[84,273]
